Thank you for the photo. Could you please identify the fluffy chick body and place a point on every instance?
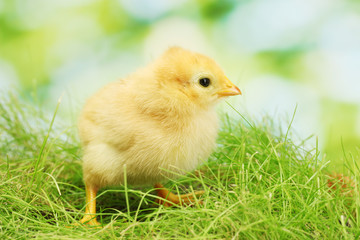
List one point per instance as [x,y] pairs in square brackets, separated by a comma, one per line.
[154,124]
[118,132]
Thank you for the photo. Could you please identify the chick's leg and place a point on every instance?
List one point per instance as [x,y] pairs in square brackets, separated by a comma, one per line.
[90,210]
[173,199]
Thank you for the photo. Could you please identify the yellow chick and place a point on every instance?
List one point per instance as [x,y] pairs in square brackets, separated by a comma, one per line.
[155,124]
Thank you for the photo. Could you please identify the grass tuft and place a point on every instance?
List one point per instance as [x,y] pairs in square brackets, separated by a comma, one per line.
[258,185]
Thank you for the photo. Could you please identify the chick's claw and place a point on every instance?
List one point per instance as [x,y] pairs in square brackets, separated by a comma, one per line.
[169,199]
[90,220]
[87,220]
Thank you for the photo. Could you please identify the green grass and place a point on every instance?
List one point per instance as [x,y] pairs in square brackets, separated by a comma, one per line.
[258,185]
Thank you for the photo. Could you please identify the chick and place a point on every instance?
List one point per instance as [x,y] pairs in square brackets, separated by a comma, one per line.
[155,124]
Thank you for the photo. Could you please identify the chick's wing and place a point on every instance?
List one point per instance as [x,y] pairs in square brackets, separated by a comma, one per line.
[105,118]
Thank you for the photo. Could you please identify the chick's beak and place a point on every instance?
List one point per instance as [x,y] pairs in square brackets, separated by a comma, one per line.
[229,90]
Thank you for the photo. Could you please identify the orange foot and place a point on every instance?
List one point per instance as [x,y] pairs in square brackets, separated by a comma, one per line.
[170,199]
[90,210]
[89,220]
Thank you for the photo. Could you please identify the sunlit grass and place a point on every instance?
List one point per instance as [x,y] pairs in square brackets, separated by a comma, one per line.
[257,186]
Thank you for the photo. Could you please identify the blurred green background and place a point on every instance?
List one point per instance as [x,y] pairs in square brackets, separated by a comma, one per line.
[281,54]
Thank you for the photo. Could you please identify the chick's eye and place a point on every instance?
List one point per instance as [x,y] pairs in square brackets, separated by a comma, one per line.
[205,82]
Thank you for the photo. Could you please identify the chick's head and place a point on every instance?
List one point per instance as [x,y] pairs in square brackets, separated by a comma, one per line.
[192,77]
